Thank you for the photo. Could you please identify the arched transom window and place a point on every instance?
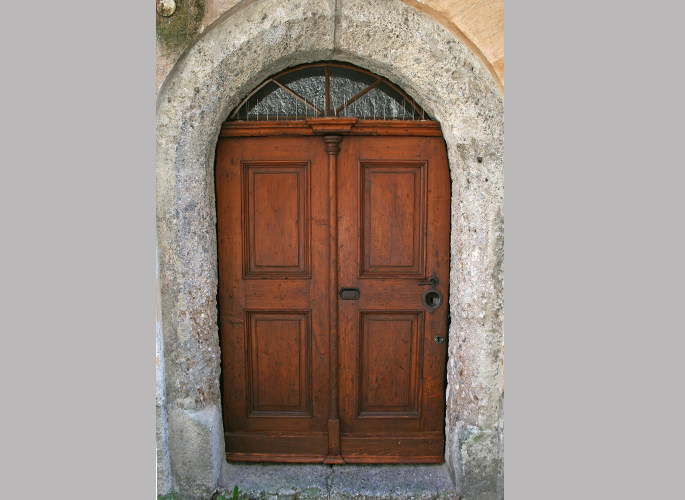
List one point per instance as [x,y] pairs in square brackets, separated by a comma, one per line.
[327,89]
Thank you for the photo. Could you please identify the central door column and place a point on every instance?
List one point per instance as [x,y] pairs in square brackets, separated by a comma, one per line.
[332,131]
[332,143]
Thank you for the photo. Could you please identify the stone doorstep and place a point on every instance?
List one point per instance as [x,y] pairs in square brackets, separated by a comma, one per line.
[259,481]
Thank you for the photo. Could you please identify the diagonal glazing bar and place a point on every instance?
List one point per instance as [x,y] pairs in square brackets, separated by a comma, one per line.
[239,107]
[296,96]
[409,99]
[359,95]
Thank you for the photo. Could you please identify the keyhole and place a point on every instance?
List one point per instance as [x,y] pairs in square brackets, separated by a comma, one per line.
[432,299]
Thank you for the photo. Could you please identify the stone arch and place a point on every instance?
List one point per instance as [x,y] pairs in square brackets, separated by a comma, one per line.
[393,40]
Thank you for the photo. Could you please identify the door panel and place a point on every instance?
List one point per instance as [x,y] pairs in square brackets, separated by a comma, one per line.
[276,219]
[393,232]
[279,359]
[273,271]
[274,278]
[392,209]
[390,363]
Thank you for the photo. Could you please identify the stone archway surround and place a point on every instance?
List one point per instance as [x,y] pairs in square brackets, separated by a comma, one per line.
[415,52]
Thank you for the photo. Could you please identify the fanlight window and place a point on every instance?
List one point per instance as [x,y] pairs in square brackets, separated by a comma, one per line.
[327,89]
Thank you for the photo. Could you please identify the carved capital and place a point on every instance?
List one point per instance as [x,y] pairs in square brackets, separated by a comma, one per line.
[332,144]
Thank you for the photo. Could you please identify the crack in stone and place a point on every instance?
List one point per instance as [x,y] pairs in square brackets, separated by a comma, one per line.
[329,479]
[336,19]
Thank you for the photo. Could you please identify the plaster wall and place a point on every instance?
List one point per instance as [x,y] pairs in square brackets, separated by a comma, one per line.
[432,65]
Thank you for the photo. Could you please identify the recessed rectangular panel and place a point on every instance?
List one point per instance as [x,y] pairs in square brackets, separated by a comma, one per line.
[278,364]
[392,218]
[276,219]
[389,363]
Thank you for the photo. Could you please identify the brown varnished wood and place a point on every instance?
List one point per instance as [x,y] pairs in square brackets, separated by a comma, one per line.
[332,147]
[390,364]
[332,127]
[334,457]
[265,129]
[401,128]
[276,219]
[279,361]
[306,376]
[273,457]
[273,294]
[276,446]
[314,126]
[398,448]
[392,373]
[392,218]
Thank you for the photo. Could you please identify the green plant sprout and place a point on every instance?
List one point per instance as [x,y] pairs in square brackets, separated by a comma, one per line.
[233,496]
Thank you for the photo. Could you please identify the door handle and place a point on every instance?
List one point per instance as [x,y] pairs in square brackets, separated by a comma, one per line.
[432,281]
[431,298]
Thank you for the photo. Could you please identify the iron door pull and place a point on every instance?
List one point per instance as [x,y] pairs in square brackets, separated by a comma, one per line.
[349,293]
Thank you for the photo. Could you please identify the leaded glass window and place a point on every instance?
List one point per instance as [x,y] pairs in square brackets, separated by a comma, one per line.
[327,89]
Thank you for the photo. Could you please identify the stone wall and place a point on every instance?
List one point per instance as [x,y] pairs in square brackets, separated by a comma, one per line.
[238,51]
[479,25]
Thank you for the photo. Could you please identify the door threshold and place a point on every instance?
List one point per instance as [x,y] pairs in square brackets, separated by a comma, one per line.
[269,481]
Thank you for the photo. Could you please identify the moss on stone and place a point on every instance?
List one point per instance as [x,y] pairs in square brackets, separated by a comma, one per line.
[177,32]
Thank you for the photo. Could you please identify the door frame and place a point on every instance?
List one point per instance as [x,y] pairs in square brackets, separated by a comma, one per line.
[227,61]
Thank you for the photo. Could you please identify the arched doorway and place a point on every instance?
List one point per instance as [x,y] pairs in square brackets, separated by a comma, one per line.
[229,60]
[333,203]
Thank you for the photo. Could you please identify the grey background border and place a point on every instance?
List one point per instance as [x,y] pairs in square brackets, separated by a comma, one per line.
[593,248]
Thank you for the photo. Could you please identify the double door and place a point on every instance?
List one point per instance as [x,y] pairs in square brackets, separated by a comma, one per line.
[333,272]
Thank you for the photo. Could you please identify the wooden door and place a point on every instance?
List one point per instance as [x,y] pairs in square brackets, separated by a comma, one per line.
[393,233]
[272,225]
[275,289]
